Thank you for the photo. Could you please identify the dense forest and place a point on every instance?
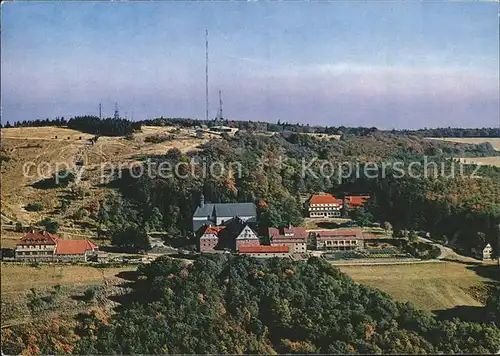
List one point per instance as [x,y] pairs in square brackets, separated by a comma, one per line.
[103,127]
[236,304]
[88,123]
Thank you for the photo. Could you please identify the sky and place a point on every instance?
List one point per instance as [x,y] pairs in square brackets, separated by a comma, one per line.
[389,64]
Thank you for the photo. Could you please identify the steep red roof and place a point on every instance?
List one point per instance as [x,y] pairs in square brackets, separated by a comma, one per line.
[263,249]
[339,234]
[74,247]
[213,229]
[291,233]
[323,199]
[355,201]
[38,238]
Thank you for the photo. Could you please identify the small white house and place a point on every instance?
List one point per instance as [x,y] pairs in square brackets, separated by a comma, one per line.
[487,252]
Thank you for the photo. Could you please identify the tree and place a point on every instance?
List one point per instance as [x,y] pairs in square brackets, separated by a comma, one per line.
[155,221]
[65,205]
[493,305]
[34,207]
[102,214]
[50,225]
[362,216]
[131,236]
[412,236]
[387,226]
[19,227]
[481,239]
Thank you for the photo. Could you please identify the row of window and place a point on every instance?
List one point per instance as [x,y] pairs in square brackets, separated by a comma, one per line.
[34,253]
[267,254]
[36,247]
[324,214]
[325,204]
[341,242]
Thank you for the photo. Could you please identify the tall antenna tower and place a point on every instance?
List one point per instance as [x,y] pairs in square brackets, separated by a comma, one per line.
[117,114]
[206,75]
[100,111]
[220,116]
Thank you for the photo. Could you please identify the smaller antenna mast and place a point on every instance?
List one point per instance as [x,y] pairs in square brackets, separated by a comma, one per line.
[221,116]
[117,114]
[100,111]
[206,75]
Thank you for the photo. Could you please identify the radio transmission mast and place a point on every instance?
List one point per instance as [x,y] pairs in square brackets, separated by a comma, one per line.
[116,115]
[206,75]
[100,111]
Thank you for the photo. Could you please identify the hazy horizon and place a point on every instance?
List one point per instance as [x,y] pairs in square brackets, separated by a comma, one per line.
[384,64]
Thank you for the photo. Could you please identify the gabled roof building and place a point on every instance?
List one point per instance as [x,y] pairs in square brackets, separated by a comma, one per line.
[324,206]
[338,240]
[46,247]
[293,237]
[232,236]
[265,251]
[221,213]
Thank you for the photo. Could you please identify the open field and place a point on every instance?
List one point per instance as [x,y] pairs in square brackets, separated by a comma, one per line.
[324,136]
[17,277]
[54,148]
[495,141]
[429,286]
[71,281]
[489,161]
[482,161]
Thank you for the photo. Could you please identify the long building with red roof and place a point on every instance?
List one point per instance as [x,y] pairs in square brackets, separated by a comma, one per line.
[264,251]
[338,240]
[46,247]
[324,206]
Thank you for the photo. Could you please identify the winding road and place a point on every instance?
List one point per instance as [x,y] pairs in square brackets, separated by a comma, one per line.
[449,253]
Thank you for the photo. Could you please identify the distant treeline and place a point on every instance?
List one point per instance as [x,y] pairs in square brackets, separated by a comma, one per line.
[89,124]
[454,132]
[279,126]
[261,126]
[58,121]
[104,127]
[121,127]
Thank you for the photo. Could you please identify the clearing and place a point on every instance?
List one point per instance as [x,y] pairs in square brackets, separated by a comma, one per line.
[495,141]
[488,161]
[71,281]
[429,286]
[482,161]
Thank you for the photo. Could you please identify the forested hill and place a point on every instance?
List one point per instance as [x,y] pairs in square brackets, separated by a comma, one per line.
[240,305]
[120,126]
[271,171]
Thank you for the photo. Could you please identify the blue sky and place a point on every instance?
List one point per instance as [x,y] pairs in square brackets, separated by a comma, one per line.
[384,64]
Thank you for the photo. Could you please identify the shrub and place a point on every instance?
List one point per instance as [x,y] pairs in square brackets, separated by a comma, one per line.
[79,214]
[34,207]
[50,225]
[19,227]
[89,294]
